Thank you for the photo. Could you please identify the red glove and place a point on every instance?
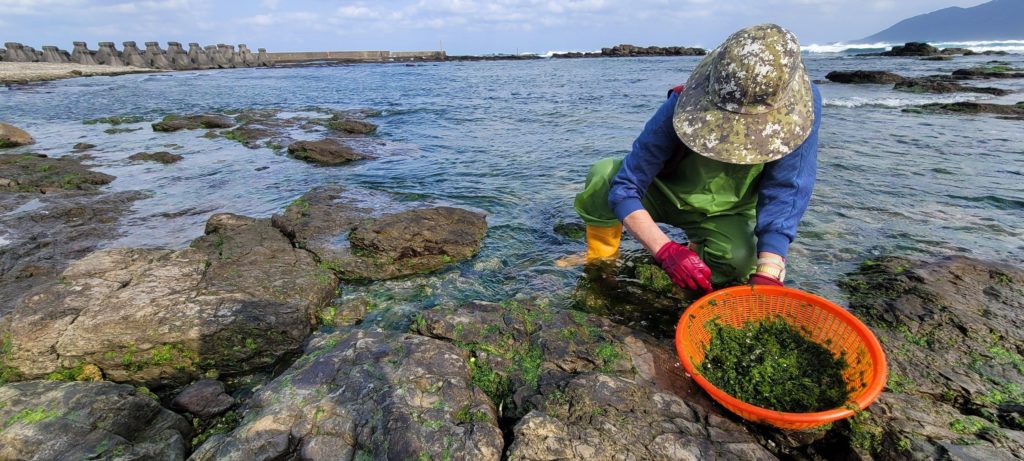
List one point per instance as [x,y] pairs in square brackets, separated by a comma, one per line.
[758,279]
[684,267]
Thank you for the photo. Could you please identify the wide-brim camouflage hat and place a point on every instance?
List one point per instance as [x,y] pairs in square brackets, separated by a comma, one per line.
[749,101]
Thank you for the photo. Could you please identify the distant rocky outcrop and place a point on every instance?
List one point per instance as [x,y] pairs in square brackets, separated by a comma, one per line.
[625,50]
[929,52]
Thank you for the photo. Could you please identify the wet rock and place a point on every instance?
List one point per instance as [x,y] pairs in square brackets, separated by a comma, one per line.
[938,58]
[250,135]
[39,173]
[101,420]
[116,120]
[1013,112]
[325,152]
[990,72]
[912,49]
[159,157]
[572,230]
[83,146]
[864,76]
[954,337]
[925,85]
[346,124]
[236,301]
[320,217]
[634,291]
[378,248]
[204,398]
[596,416]
[586,387]
[46,232]
[12,136]
[410,242]
[366,395]
[193,122]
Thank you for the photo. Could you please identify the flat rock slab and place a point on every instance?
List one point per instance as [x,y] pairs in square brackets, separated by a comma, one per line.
[12,136]
[954,336]
[357,244]
[349,125]
[47,232]
[236,301]
[1012,112]
[325,152]
[366,395]
[193,122]
[39,173]
[582,387]
[103,421]
[159,157]
[411,242]
[864,76]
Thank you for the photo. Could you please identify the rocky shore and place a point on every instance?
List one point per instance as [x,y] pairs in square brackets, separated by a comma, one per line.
[27,72]
[241,345]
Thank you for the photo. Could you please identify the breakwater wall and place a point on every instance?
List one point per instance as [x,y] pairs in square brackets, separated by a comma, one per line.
[152,56]
[304,57]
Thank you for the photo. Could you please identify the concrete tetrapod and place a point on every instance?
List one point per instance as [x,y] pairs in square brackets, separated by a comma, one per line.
[53,55]
[131,55]
[177,57]
[155,57]
[82,55]
[197,55]
[14,53]
[108,55]
[246,56]
[221,56]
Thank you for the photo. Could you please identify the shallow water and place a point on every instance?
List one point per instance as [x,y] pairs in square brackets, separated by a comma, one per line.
[515,140]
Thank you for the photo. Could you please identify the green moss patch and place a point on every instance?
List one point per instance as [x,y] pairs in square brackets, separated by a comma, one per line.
[772,365]
[116,120]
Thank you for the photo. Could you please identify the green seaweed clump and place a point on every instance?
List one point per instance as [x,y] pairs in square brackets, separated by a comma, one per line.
[771,365]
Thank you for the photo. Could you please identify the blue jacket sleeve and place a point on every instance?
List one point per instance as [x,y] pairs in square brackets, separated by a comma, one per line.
[651,150]
[785,191]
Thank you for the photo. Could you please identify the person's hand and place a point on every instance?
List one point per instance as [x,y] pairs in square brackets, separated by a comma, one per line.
[684,267]
[761,279]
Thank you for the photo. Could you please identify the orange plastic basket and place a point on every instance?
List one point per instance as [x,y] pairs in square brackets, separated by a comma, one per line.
[827,324]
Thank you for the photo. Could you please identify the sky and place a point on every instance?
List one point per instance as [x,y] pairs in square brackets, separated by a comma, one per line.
[457,26]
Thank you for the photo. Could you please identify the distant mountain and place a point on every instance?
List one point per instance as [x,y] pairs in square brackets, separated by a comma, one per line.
[995,20]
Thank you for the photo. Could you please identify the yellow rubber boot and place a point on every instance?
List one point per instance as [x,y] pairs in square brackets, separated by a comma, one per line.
[603,242]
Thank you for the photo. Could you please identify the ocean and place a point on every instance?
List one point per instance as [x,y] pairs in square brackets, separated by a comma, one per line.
[515,140]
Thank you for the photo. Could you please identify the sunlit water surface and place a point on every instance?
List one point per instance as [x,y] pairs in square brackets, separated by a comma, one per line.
[515,140]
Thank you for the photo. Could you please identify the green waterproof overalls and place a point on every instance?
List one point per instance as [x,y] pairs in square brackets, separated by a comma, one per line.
[713,202]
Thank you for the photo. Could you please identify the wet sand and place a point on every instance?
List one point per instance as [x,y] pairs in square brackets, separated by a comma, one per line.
[26,72]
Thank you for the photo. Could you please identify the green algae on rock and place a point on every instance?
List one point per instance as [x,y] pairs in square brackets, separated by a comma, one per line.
[772,365]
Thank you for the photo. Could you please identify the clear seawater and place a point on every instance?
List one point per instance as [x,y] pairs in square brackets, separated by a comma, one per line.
[515,140]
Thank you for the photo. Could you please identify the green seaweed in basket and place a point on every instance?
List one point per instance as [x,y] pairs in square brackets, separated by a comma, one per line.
[771,365]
